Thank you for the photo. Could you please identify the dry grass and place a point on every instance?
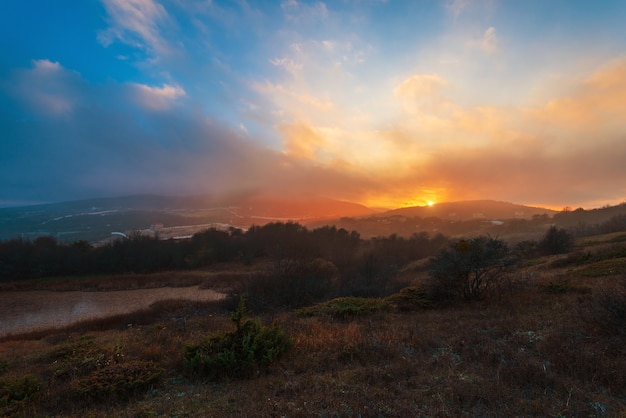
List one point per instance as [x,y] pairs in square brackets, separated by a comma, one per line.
[531,352]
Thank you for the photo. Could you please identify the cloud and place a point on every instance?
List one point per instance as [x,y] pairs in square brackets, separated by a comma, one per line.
[46,66]
[298,102]
[489,42]
[554,152]
[596,102]
[47,88]
[288,64]
[109,146]
[419,86]
[301,141]
[304,12]
[157,98]
[313,98]
[456,7]
[136,23]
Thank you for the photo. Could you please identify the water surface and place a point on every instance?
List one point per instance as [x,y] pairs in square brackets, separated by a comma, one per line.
[22,311]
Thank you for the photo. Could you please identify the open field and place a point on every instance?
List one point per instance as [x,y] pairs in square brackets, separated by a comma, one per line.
[550,344]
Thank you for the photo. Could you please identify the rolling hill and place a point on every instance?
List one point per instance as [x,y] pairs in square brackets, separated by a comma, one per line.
[95,219]
[472,209]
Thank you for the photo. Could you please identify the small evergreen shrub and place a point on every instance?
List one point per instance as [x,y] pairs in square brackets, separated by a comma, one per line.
[252,347]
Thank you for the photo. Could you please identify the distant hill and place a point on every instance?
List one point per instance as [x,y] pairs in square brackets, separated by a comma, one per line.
[95,219]
[581,219]
[300,207]
[471,209]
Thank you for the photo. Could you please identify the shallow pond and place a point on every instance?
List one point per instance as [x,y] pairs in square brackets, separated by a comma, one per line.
[22,311]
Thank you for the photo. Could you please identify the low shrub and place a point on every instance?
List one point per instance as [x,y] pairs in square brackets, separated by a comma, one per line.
[410,299]
[606,311]
[117,380]
[343,308]
[15,389]
[4,365]
[564,286]
[251,348]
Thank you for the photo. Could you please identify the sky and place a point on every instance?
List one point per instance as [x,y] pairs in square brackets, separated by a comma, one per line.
[387,103]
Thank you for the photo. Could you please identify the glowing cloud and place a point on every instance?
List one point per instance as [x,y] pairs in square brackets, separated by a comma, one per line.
[420,85]
[157,98]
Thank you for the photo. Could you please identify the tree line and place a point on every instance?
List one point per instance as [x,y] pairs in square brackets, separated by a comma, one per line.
[46,257]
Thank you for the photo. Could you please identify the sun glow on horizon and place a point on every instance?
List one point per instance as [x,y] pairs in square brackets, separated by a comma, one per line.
[425,199]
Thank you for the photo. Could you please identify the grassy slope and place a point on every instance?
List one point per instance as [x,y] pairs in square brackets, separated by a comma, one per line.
[540,349]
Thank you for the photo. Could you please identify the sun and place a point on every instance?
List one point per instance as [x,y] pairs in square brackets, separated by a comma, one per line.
[430,203]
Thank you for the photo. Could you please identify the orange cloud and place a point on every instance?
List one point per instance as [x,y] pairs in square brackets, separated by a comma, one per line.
[420,86]
[598,102]
[564,151]
[301,140]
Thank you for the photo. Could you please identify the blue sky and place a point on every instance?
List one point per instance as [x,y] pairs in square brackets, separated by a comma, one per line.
[383,102]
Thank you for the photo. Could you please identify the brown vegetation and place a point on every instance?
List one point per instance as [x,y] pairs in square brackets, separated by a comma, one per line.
[550,344]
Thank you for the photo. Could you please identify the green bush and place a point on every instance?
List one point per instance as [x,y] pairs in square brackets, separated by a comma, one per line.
[252,347]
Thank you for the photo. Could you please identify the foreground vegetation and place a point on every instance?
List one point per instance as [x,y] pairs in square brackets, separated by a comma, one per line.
[548,340]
